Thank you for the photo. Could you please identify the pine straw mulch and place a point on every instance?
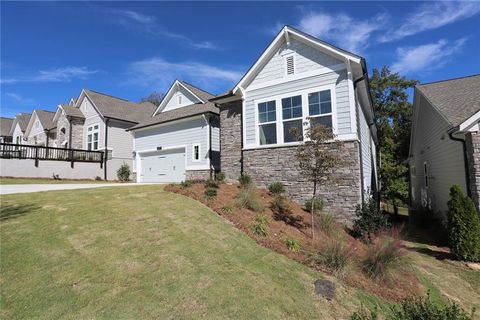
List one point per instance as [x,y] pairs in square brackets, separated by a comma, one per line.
[402,283]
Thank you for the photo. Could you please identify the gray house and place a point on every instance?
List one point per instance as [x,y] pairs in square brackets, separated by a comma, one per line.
[5,129]
[41,129]
[19,126]
[181,139]
[299,77]
[445,144]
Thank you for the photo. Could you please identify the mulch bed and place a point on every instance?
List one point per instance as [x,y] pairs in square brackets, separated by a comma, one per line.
[401,284]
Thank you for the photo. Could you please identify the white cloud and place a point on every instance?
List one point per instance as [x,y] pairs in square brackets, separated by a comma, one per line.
[432,16]
[62,74]
[19,99]
[8,81]
[432,55]
[159,73]
[148,24]
[342,29]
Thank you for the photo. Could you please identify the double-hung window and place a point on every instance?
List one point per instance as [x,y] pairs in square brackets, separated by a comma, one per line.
[320,108]
[292,118]
[267,122]
[92,137]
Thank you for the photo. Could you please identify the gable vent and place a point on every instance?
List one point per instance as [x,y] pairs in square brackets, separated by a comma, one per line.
[290,65]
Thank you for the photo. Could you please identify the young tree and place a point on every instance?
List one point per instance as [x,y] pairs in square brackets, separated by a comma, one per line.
[393,114]
[154,97]
[317,157]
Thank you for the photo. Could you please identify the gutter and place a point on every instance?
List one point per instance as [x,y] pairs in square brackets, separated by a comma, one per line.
[465,159]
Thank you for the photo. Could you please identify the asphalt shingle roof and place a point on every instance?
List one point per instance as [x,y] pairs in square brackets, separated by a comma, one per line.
[456,99]
[23,119]
[112,107]
[72,111]
[5,125]
[204,95]
[46,118]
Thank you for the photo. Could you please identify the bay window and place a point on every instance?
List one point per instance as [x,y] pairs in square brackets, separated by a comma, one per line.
[292,117]
[267,119]
[92,137]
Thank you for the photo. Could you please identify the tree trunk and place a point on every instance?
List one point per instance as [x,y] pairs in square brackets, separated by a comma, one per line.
[312,210]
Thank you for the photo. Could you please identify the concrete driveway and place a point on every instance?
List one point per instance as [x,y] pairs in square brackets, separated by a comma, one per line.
[26,188]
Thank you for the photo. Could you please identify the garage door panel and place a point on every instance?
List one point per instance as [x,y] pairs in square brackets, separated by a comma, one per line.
[163,166]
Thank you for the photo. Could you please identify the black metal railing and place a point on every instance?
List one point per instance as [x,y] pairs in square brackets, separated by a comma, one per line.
[21,151]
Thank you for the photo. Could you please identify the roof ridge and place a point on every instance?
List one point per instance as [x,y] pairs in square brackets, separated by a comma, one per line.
[6,118]
[108,95]
[445,80]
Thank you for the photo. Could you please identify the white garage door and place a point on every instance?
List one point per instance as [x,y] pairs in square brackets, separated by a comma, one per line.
[163,166]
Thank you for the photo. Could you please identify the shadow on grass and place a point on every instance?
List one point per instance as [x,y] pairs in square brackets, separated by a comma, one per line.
[437,254]
[12,211]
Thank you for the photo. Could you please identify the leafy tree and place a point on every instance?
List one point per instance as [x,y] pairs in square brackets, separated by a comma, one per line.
[317,157]
[123,173]
[154,97]
[393,114]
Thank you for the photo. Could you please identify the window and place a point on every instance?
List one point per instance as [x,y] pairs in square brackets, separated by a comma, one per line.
[289,65]
[196,152]
[425,174]
[92,137]
[320,108]
[18,140]
[292,117]
[267,117]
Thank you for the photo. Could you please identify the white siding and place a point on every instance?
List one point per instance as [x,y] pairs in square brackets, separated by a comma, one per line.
[184,133]
[36,130]
[87,108]
[366,149]
[444,157]
[17,132]
[94,120]
[120,141]
[186,97]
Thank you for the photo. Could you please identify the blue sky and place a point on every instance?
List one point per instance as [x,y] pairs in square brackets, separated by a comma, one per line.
[51,50]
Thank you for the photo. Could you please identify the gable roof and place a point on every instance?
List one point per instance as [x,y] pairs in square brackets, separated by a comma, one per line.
[202,95]
[5,126]
[22,119]
[456,100]
[46,118]
[117,108]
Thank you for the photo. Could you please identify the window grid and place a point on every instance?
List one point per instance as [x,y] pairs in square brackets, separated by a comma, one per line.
[292,112]
[267,118]
[320,108]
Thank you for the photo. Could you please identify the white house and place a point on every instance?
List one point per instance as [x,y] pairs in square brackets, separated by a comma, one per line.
[17,131]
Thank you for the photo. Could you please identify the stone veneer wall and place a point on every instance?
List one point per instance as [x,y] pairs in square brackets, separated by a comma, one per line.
[77,131]
[197,174]
[279,164]
[231,140]
[472,141]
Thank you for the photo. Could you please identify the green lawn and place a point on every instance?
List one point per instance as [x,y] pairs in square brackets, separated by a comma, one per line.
[4,180]
[141,253]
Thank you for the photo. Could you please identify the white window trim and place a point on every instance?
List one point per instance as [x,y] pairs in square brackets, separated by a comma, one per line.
[258,124]
[278,98]
[199,152]
[302,118]
[285,57]
[91,133]
[321,114]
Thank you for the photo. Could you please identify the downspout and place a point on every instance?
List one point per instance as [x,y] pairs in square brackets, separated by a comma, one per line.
[465,160]
[362,188]
[241,131]
[70,133]
[210,144]
[106,149]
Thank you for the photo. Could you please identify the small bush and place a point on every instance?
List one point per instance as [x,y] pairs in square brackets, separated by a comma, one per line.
[326,222]
[210,193]
[247,198]
[334,256]
[245,180]
[220,177]
[279,204]
[276,188]
[227,209]
[424,308]
[317,206]
[463,224]
[292,244]
[186,184]
[369,220]
[211,184]
[98,178]
[260,225]
[381,257]
[123,173]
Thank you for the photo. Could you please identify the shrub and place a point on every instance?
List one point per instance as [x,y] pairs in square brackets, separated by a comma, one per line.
[123,173]
[247,198]
[276,188]
[424,308]
[334,256]
[211,184]
[382,256]
[210,193]
[317,206]
[220,176]
[186,184]
[369,220]
[279,204]
[227,209]
[326,222]
[260,225]
[463,226]
[98,178]
[245,180]
[292,244]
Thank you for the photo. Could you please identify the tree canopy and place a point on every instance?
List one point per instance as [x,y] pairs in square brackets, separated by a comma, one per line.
[153,97]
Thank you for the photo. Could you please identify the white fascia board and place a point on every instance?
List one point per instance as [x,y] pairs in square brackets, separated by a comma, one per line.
[167,123]
[170,93]
[30,123]
[57,113]
[469,122]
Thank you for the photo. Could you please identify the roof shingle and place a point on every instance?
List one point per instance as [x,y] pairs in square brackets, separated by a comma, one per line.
[46,118]
[5,125]
[23,119]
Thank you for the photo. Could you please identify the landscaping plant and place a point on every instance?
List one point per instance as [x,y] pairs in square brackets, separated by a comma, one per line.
[326,222]
[260,225]
[369,220]
[210,183]
[245,180]
[292,244]
[247,198]
[210,193]
[334,256]
[317,204]
[317,157]
[276,188]
[123,173]
[382,256]
[220,177]
[463,224]
[186,184]
[279,204]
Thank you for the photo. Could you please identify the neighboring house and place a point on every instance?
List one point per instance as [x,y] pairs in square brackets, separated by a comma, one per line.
[19,126]
[69,121]
[41,129]
[299,77]
[445,142]
[5,130]
[181,139]
[106,119]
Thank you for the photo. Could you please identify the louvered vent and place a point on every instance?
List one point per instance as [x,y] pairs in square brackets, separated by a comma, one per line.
[290,65]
